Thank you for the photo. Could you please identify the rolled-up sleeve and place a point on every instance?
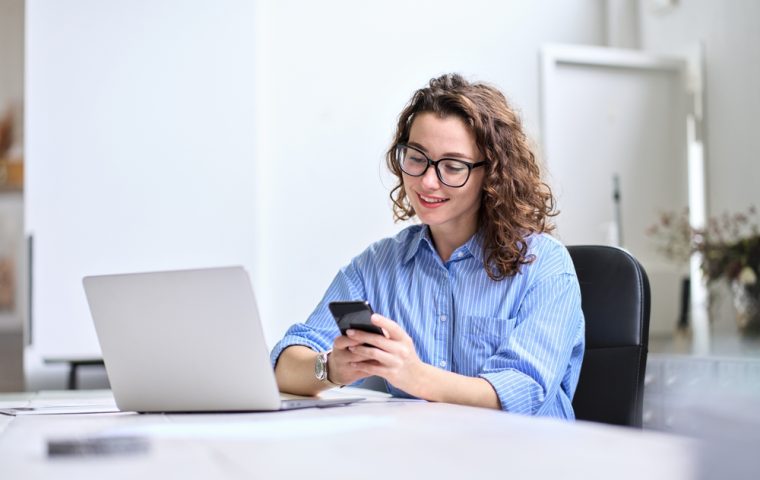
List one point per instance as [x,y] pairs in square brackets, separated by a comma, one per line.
[320,330]
[536,369]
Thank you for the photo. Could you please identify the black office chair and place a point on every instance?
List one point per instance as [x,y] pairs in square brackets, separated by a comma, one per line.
[615,302]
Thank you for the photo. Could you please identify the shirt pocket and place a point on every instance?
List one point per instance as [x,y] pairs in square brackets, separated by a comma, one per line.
[485,335]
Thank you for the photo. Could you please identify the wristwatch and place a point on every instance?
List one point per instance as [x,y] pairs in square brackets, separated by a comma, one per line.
[320,367]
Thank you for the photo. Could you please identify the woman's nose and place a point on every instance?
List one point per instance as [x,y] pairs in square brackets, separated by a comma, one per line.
[430,179]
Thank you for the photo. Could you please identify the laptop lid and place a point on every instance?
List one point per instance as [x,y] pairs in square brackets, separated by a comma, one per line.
[188,340]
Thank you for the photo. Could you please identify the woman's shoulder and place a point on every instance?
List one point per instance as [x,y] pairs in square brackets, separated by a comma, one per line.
[549,254]
[397,245]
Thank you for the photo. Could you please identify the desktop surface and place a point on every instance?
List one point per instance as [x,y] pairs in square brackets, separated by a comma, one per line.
[373,439]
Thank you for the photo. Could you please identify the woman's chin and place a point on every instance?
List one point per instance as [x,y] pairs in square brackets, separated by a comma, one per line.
[430,219]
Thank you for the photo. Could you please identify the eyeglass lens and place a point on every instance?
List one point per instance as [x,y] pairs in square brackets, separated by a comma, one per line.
[451,172]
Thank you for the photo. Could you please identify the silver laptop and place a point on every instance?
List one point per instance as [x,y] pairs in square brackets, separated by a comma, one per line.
[187,341]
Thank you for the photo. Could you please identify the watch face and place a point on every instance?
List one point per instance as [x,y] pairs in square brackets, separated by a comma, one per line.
[320,368]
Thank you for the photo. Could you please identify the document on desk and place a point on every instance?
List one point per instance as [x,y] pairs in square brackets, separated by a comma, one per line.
[61,410]
[60,403]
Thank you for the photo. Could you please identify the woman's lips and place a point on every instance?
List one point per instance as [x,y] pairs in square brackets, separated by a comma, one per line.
[431,202]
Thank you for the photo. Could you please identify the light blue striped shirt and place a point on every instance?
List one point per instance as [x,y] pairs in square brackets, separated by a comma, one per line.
[524,334]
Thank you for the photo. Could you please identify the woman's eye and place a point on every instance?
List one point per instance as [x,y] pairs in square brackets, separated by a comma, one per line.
[454,168]
[418,159]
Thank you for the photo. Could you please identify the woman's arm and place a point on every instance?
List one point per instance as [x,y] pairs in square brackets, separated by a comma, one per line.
[439,385]
[294,357]
[295,372]
[295,368]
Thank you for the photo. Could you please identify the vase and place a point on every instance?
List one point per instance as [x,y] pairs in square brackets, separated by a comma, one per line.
[747,305]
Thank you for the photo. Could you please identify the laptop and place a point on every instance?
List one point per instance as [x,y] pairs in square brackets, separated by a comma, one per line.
[187,341]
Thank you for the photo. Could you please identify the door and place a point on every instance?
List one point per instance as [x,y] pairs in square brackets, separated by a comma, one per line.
[614,134]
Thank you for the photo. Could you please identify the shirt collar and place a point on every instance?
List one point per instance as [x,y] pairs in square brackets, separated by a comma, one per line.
[422,235]
[473,246]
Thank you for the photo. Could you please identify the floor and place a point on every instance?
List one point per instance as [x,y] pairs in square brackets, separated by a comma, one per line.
[681,391]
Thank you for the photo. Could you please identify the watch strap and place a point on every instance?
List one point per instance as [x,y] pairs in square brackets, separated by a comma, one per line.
[323,358]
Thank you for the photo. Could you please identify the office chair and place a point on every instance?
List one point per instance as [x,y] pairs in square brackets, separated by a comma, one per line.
[615,303]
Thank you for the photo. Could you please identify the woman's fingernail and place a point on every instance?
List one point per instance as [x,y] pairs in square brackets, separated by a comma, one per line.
[350,332]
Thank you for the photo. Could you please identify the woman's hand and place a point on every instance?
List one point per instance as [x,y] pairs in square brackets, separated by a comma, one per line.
[340,363]
[392,357]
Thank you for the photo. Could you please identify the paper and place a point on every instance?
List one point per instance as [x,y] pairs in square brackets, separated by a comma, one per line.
[59,403]
[59,410]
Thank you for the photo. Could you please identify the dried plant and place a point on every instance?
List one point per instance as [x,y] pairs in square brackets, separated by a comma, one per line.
[6,133]
[729,244]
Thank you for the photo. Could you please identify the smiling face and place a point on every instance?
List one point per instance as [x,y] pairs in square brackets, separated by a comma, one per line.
[451,213]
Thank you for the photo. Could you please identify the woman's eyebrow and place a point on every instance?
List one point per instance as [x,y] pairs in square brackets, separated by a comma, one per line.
[417,146]
[456,155]
[445,155]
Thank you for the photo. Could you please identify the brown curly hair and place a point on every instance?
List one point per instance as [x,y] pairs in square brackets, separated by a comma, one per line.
[515,201]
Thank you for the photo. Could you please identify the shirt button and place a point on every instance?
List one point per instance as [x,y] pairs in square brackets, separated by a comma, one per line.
[442,363]
[444,318]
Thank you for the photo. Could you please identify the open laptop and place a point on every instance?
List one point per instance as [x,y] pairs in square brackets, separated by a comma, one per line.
[187,341]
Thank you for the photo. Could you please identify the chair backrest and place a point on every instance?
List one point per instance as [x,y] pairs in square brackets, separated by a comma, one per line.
[615,303]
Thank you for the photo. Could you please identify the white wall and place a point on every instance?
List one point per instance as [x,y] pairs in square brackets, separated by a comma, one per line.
[335,76]
[140,149]
[730,33]
[622,23]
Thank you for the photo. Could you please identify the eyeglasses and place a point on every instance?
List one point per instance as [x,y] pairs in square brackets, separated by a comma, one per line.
[450,171]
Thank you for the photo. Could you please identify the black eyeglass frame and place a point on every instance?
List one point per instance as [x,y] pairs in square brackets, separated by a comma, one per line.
[435,163]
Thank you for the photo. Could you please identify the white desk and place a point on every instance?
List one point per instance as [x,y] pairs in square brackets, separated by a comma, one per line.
[377,440]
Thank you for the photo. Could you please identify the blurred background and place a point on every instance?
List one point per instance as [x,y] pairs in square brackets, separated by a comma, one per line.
[150,135]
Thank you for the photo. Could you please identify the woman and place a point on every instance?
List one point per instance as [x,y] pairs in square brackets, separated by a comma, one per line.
[479,304]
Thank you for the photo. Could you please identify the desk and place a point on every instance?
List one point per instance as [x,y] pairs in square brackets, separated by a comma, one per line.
[374,440]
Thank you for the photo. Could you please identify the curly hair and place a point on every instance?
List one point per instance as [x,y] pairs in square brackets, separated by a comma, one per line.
[515,202]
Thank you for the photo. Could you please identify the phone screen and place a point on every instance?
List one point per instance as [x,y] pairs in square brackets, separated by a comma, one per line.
[355,315]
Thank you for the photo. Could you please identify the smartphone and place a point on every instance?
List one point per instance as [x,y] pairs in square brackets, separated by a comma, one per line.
[355,315]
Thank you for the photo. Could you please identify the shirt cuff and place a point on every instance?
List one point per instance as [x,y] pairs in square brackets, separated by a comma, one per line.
[289,341]
[516,393]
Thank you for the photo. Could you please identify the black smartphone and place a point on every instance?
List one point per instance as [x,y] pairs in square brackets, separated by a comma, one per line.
[355,315]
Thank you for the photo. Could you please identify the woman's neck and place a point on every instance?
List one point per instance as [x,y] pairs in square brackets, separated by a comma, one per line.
[446,240]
